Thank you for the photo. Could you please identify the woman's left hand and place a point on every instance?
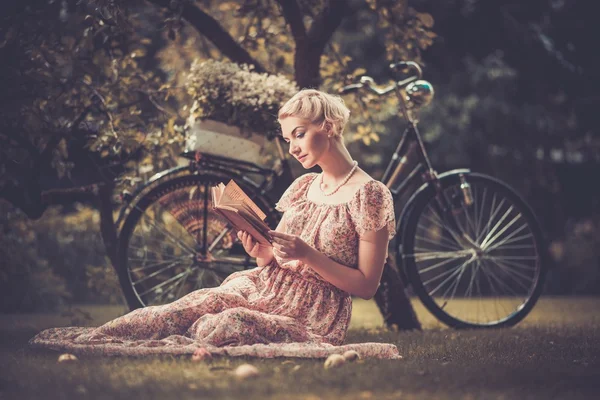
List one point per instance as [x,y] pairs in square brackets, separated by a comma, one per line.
[290,246]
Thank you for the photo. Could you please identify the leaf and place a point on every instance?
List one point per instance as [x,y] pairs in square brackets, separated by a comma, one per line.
[426,19]
[359,71]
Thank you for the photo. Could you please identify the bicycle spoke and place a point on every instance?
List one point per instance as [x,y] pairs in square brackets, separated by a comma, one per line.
[205,219]
[496,226]
[456,282]
[455,271]
[515,247]
[419,237]
[494,275]
[511,272]
[437,221]
[510,239]
[514,263]
[441,254]
[469,291]
[160,285]
[160,297]
[218,239]
[491,216]
[160,271]
[435,266]
[440,276]
[487,275]
[175,240]
[157,264]
[490,258]
[200,279]
[182,285]
[476,208]
[460,225]
[175,243]
[147,241]
[487,242]
[470,223]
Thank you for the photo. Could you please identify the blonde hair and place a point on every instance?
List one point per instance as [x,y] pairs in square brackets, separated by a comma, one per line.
[319,108]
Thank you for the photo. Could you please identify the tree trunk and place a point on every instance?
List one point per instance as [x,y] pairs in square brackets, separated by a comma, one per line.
[394,304]
[107,223]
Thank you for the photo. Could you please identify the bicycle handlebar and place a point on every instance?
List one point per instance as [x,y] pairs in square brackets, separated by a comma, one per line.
[369,83]
[406,65]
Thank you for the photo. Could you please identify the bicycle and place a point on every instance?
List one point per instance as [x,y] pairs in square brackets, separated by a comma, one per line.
[463,237]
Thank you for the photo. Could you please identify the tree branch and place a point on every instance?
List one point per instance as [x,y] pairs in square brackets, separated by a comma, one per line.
[70,195]
[213,31]
[326,23]
[307,60]
[293,17]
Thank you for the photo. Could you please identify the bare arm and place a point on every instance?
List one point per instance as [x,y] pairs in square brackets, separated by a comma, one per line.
[261,262]
[362,282]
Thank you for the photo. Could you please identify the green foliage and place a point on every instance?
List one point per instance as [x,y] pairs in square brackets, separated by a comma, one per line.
[84,78]
[238,96]
[55,261]
[27,282]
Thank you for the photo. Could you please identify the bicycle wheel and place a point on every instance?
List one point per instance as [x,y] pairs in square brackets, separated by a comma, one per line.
[486,272]
[172,243]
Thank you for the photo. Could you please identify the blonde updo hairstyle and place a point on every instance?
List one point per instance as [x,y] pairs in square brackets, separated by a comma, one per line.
[320,108]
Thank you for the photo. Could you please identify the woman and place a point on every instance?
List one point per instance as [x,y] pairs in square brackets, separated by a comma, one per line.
[331,243]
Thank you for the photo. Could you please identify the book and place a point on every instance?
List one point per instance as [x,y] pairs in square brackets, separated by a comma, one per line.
[235,206]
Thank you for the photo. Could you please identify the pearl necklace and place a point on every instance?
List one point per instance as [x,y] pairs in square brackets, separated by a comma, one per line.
[355,165]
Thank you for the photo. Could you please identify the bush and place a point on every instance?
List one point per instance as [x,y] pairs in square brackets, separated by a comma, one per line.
[54,261]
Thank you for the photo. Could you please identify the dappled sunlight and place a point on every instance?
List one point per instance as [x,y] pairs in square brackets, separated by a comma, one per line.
[549,311]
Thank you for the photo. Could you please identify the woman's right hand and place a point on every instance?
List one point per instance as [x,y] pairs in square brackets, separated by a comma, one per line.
[253,248]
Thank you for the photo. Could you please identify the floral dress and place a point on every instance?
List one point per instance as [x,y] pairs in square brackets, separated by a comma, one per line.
[284,308]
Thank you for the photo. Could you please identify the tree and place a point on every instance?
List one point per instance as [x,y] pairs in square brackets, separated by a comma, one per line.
[85,98]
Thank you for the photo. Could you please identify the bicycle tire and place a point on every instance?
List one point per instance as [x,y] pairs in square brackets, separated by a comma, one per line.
[163,242]
[511,253]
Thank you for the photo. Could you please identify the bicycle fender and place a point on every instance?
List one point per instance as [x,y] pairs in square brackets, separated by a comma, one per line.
[172,171]
[421,192]
[406,210]
[141,187]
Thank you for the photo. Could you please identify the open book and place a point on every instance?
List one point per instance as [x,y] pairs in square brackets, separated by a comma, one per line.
[235,206]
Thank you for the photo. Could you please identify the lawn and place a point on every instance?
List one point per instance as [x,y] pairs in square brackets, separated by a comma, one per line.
[553,353]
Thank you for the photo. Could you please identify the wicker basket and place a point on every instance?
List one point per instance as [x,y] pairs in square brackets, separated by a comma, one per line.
[215,137]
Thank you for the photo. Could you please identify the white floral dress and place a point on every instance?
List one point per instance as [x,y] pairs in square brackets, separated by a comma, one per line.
[282,309]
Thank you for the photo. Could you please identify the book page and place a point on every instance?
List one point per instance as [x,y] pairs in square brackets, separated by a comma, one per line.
[235,193]
[240,223]
[232,203]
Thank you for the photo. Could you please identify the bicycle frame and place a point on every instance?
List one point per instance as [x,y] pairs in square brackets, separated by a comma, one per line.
[399,162]
[274,180]
[411,141]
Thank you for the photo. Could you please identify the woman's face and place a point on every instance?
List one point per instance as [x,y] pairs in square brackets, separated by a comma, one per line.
[307,141]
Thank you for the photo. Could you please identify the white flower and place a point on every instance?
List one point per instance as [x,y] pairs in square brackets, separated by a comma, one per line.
[236,95]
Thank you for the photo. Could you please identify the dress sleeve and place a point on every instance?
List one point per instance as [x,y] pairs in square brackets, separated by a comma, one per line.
[292,193]
[373,209]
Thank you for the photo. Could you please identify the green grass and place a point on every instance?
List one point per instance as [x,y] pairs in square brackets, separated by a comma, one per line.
[553,353]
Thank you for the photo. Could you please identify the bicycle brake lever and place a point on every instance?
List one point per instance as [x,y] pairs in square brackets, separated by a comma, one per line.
[403,66]
[350,88]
